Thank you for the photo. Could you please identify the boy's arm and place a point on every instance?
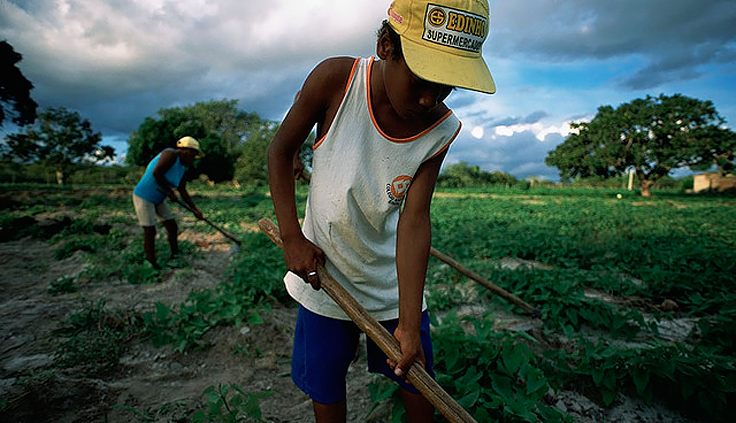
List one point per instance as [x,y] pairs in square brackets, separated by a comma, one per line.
[413,243]
[315,104]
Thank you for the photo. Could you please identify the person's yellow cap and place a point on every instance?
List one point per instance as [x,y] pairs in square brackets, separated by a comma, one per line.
[442,40]
[190,142]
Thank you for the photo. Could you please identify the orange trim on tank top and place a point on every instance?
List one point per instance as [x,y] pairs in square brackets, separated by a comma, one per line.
[345,93]
[378,128]
[447,145]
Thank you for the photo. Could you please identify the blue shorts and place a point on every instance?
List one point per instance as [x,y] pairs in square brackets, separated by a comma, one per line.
[325,347]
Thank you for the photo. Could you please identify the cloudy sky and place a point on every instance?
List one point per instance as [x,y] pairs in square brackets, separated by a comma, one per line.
[117,62]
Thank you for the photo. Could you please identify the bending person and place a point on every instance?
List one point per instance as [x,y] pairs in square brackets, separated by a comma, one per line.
[164,173]
[383,131]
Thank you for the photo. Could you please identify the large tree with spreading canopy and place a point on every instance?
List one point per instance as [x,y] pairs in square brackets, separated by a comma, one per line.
[59,138]
[652,136]
[225,133]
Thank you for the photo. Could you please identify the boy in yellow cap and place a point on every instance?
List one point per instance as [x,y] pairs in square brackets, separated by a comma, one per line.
[164,173]
[382,134]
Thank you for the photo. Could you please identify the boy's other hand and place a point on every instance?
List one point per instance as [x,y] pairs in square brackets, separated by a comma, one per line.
[302,257]
[411,352]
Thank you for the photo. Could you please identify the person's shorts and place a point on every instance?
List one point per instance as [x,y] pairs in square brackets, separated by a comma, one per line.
[325,347]
[147,211]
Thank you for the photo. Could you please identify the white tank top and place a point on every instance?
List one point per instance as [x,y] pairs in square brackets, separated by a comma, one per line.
[359,179]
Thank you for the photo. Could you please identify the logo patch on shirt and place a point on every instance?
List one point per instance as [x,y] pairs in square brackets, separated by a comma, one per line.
[396,190]
[454,28]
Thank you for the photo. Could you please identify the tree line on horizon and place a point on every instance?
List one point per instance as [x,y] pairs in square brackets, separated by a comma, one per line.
[650,137]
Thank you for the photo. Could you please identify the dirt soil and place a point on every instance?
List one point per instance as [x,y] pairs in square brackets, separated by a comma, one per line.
[161,384]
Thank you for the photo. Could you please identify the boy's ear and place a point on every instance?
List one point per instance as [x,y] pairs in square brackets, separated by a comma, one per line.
[384,46]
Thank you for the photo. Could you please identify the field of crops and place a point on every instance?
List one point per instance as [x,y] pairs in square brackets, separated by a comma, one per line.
[637,299]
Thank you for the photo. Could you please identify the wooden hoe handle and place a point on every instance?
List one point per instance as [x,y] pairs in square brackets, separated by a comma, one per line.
[417,375]
[209,222]
[534,312]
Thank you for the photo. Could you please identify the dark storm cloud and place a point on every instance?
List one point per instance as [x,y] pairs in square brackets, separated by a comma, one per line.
[673,38]
[682,66]
[117,62]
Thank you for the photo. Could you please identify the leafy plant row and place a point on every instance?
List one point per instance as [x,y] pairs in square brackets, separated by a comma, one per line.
[675,248]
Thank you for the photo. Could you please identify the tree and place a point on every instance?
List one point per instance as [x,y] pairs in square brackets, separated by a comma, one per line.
[59,138]
[15,89]
[252,165]
[462,174]
[224,133]
[651,135]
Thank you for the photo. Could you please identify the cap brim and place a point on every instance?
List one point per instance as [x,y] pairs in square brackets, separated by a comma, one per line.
[449,69]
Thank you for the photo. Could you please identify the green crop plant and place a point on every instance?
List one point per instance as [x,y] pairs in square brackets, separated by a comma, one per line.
[185,326]
[230,404]
[230,210]
[256,274]
[561,298]
[63,285]
[73,244]
[382,389]
[82,235]
[94,338]
[140,273]
[445,297]
[719,330]
[129,264]
[692,379]
[493,375]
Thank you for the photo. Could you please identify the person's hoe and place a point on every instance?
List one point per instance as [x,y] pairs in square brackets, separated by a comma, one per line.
[419,377]
[233,248]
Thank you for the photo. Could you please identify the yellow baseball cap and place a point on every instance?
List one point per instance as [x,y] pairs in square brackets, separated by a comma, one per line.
[190,142]
[442,40]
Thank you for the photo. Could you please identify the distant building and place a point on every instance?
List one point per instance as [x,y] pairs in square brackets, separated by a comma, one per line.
[713,182]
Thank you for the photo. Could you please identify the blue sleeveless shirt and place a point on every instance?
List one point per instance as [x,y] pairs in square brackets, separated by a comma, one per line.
[147,187]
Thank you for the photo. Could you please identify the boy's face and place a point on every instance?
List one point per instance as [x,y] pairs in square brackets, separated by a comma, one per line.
[410,96]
